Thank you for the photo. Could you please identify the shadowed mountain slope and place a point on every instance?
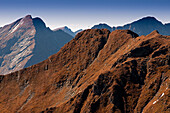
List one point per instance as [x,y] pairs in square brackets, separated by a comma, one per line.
[96,72]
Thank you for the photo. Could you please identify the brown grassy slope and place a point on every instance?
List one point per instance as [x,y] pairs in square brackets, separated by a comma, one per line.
[97,71]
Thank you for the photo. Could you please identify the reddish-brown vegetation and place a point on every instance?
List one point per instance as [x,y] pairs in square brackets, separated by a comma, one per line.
[96,72]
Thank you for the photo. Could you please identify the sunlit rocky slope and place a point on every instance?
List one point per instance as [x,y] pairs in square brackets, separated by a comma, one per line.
[96,72]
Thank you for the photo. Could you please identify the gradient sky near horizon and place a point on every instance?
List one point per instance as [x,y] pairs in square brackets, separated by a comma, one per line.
[83,14]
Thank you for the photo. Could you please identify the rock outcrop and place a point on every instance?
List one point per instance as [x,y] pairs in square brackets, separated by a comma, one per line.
[96,72]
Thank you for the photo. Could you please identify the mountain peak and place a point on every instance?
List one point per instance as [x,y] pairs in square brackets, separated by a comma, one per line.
[66,29]
[149,17]
[153,33]
[102,26]
[28,16]
[39,23]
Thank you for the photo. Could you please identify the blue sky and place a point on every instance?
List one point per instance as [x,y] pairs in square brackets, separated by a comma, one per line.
[84,14]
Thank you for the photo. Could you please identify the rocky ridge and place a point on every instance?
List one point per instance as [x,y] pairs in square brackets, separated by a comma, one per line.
[96,72]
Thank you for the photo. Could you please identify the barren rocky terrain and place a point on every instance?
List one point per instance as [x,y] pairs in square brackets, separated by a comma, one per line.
[98,71]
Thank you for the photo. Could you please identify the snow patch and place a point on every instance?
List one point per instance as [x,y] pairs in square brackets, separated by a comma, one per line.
[162,94]
[158,99]
[155,101]
[15,28]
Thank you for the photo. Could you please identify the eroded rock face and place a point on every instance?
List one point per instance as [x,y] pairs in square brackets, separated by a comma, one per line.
[96,72]
[26,42]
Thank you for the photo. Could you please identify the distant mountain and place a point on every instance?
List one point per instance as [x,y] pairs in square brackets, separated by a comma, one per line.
[78,31]
[66,29]
[142,26]
[102,26]
[28,41]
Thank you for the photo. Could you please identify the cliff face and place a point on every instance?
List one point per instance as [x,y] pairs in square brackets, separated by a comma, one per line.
[26,42]
[97,71]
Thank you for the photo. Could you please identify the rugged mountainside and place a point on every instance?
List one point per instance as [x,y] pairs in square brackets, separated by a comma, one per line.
[142,26]
[96,72]
[28,41]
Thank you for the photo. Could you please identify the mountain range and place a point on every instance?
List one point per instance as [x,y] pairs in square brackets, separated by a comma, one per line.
[142,26]
[98,71]
[68,30]
[26,42]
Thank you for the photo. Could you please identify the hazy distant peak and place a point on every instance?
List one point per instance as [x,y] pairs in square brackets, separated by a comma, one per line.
[102,26]
[148,19]
[142,26]
[61,28]
[65,29]
[78,31]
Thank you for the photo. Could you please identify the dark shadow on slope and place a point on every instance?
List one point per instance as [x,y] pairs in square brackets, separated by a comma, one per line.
[47,42]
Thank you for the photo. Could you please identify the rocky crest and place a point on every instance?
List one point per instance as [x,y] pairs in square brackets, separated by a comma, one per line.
[26,42]
[96,72]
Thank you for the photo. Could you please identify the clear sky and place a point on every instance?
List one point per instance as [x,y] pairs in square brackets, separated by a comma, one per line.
[77,14]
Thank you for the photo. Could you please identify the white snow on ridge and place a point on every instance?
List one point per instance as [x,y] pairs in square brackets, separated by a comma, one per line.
[159,97]
[162,94]
[16,27]
[155,101]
